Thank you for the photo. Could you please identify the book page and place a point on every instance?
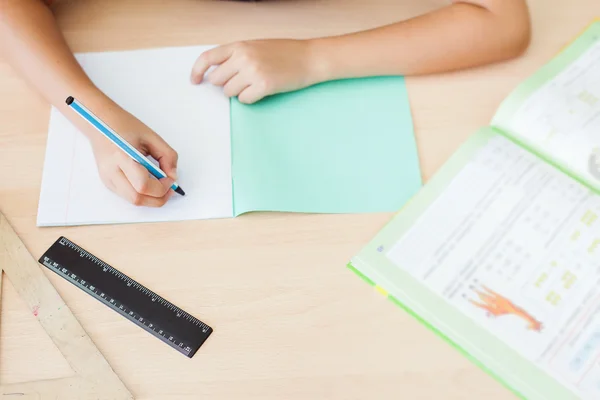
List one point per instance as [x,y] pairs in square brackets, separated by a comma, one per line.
[557,112]
[512,246]
[345,146]
[154,86]
[515,245]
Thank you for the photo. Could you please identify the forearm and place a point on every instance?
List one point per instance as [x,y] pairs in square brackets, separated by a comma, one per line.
[32,43]
[458,36]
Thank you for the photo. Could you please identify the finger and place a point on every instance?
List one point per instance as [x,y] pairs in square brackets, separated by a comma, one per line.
[123,188]
[251,94]
[235,86]
[160,150]
[141,180]
[215,56]
[223,73]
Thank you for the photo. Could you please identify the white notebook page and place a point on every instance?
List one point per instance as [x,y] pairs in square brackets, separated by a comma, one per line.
[154,86]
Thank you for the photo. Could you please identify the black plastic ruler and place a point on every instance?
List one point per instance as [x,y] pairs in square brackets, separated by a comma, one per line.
[143,307]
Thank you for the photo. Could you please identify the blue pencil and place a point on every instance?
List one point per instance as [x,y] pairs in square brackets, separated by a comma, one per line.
[119,141]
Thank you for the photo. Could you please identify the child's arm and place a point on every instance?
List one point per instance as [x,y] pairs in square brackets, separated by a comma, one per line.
[34,46]
[464,34]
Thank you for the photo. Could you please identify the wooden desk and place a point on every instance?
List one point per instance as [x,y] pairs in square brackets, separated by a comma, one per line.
[291,322]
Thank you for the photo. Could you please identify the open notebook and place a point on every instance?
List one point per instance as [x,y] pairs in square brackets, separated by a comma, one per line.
[339,147]
[500,252]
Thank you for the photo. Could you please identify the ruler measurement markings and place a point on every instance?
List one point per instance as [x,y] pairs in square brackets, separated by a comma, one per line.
[124,308]
[171,338]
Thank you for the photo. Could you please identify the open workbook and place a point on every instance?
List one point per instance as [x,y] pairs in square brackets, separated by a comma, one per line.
[499,253]
[339,147]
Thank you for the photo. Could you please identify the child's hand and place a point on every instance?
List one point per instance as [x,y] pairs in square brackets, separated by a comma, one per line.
[255,69]
[126,177]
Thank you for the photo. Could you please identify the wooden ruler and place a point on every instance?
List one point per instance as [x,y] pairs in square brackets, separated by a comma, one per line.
[94,378]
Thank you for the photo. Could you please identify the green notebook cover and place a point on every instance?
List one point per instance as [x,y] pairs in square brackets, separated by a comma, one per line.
[498,253]
[344,146]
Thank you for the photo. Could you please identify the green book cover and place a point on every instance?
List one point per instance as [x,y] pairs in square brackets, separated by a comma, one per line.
[343,146]
[499,252]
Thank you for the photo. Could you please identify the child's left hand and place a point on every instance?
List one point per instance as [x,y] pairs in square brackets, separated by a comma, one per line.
[254,69]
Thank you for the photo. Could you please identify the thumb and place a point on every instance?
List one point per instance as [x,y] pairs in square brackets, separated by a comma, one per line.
[163,153]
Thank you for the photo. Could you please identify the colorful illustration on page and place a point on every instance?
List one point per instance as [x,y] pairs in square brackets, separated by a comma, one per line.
[497,305]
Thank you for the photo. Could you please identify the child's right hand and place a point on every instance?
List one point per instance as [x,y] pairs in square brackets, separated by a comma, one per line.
[125,176]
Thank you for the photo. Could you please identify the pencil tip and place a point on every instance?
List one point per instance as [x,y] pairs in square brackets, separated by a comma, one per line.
[180,191]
